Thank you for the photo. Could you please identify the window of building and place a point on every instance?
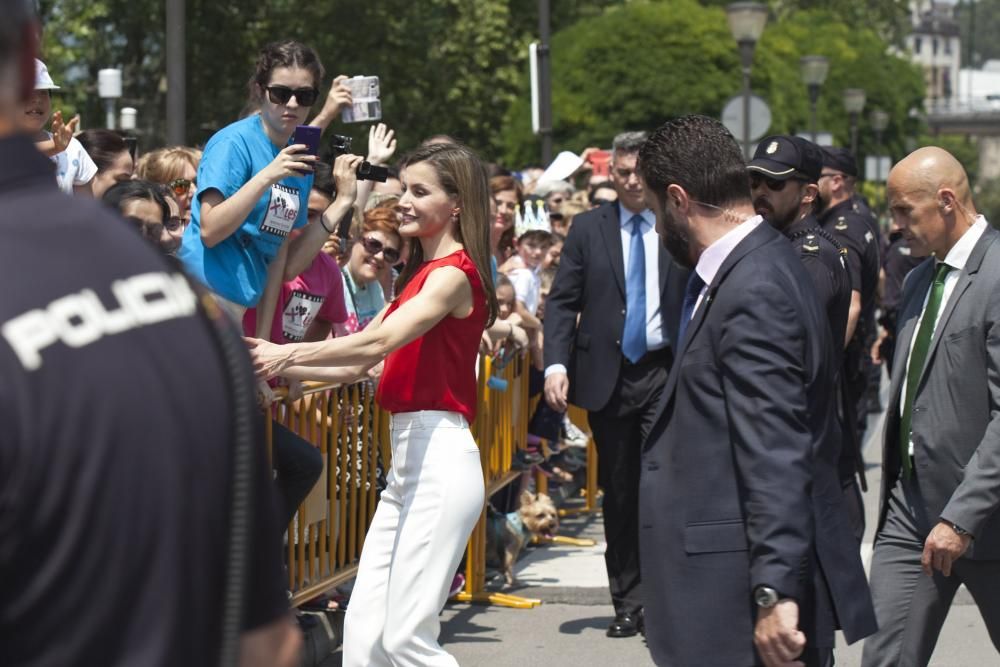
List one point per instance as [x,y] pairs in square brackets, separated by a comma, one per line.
[947,47]
[934,46]
[917,44]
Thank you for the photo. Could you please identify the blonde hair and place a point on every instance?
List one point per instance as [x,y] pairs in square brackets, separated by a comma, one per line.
[165,164]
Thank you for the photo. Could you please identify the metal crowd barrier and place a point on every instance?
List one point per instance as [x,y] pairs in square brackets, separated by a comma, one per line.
[324,540]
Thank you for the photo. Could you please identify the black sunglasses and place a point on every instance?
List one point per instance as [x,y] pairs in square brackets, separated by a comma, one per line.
[281,94]
[601,201]
[373,247]
[773,184]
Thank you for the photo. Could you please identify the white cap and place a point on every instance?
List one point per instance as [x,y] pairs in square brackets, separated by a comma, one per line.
[564,166]
[42,79]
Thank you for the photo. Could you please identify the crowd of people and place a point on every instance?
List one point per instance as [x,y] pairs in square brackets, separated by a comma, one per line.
[718,319]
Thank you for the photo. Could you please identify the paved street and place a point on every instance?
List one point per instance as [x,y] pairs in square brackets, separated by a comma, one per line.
[567,630]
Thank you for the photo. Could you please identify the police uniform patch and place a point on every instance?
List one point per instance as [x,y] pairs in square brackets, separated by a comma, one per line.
[841,224]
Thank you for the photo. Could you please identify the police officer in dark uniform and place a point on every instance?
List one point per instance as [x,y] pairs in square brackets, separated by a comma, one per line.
[854,232]
[133,485]
[783,180]
[897,261]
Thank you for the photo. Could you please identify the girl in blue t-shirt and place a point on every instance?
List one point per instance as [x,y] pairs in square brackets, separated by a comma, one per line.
[253,189]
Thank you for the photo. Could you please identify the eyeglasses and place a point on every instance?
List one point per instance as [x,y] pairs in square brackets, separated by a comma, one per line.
[180,186]
[281,94]
[373,246]
[600,201]
[773,184]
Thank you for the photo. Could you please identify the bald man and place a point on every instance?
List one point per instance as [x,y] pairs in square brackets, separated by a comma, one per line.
[938,526]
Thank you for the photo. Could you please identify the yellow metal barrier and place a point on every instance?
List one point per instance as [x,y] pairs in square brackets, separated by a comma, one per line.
[352,434]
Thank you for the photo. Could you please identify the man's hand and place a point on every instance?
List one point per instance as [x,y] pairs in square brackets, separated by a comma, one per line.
[557,391]
[943,547]
[777,636]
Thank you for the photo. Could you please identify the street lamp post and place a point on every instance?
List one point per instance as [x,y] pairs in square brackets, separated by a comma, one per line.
[814,71]
[109,89]
[879,120]
[854,104]
[746,23]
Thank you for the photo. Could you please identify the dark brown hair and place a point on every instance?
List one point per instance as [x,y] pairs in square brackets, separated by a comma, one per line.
[288,53]
[462,175]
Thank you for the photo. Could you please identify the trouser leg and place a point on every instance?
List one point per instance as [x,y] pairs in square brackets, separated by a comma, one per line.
[443,499]
[365,621]
[910,606]
[298,465]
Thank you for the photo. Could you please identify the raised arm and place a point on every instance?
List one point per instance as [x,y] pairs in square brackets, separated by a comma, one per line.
[446,292]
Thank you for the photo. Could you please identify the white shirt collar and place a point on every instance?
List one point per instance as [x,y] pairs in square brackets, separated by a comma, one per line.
[714,255]
[625,217]
[958,256]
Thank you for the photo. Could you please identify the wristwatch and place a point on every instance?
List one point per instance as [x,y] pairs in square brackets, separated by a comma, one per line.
[961,532]
[765,597]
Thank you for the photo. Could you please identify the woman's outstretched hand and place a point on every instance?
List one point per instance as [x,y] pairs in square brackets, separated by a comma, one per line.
[268,359]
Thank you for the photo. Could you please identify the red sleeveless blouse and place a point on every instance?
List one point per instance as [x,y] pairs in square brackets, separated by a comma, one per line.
[438,370]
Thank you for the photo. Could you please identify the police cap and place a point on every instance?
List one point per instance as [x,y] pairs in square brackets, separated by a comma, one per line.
[782,157]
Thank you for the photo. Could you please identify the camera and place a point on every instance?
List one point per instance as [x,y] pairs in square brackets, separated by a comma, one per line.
[341,145]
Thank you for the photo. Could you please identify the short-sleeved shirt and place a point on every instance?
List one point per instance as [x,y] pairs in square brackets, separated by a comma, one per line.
[363,302]
[236,268]
[74,166]
[318,292]
[527,287]
[117,444]
[825,262]
[855,233]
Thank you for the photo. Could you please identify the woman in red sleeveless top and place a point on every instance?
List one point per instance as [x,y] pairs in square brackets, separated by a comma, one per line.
[429,338]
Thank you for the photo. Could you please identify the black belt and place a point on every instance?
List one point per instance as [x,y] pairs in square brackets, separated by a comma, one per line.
[664,355]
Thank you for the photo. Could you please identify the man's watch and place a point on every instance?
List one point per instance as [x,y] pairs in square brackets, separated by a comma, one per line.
[765,597]
[961,532]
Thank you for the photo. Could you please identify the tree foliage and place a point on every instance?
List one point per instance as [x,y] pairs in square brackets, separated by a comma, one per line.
[635,66]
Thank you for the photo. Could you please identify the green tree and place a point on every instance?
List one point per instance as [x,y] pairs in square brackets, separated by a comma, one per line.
[634,66]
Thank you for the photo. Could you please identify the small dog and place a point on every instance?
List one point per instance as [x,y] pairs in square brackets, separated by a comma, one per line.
[506,534]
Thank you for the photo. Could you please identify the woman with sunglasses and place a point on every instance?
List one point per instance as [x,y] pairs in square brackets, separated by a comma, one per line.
[177,168]
[429,338]
[253,190]
[377,247]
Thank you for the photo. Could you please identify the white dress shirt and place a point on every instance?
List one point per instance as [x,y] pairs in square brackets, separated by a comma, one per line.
[651,245]
[956,258]
[714,255]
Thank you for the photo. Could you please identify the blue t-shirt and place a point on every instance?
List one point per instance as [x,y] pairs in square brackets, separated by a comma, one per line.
[236,268]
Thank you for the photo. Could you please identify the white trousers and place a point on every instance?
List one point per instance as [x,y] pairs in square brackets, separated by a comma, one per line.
[433,498]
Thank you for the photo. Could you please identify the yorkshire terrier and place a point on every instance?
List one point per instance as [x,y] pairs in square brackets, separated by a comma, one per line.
[506,534]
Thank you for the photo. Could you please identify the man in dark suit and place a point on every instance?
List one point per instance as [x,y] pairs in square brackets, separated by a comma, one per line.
[939,526]
[746,547]
[616,278]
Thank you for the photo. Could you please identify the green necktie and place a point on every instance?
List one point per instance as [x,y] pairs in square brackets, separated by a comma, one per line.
[918,357]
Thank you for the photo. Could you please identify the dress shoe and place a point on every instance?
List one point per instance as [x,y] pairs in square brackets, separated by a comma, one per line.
[624,625]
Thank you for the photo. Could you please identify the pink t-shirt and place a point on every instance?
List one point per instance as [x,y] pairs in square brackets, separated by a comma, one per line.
[316,292]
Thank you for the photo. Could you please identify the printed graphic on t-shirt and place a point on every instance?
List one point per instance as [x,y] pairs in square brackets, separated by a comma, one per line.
[282,210]
[299,314]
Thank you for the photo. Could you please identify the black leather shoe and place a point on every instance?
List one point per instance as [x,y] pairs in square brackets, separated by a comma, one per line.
[624,625]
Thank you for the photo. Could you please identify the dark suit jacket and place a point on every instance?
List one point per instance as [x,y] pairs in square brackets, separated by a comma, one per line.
[956,410]
[591,283]
[739,475]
